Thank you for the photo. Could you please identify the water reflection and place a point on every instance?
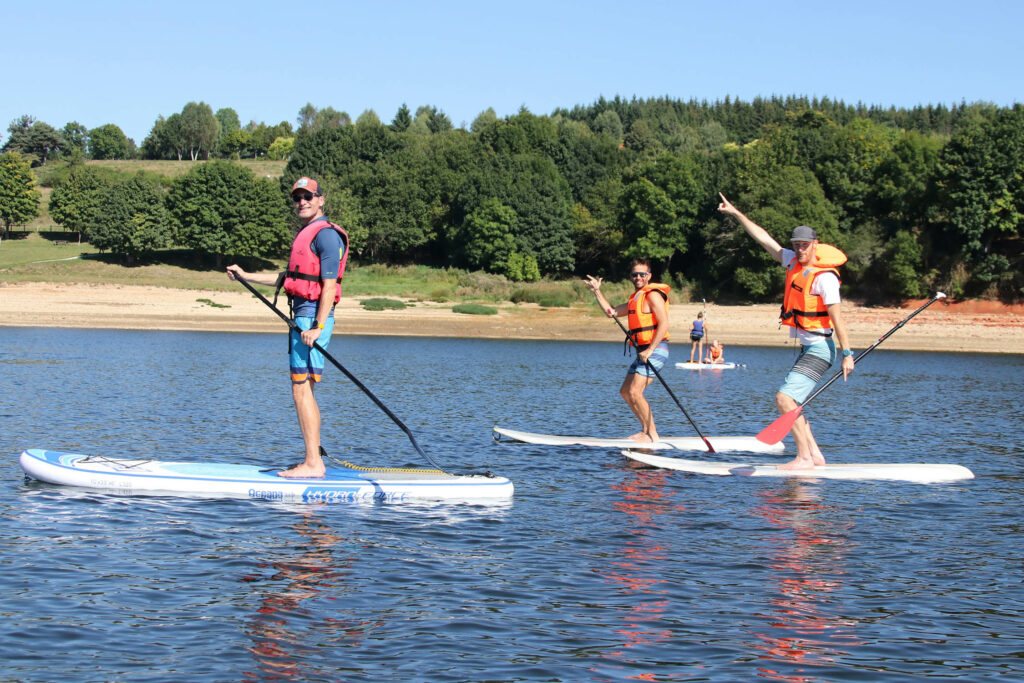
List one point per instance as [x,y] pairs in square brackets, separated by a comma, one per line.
[290,629]
[638,573]
[807,565]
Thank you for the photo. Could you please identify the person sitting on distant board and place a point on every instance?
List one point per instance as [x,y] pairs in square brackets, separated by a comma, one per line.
[315,267]
[716,353]
[811,309]
[697,337]
[647,318]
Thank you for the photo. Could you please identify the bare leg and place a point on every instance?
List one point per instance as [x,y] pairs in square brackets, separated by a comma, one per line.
[693,347]
[807,452]
[632,392]
[309,423]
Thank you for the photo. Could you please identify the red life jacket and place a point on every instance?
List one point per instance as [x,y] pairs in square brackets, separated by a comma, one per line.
[303,275]
[799,307]
[642,325]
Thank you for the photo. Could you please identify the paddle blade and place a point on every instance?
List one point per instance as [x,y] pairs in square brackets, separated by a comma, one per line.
[774,432]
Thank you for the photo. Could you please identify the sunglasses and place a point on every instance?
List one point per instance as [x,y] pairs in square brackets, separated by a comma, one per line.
[299,196]
[637,273]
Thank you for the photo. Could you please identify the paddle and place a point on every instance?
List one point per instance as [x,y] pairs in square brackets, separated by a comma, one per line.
[711,448]
[355,380]
[774,432]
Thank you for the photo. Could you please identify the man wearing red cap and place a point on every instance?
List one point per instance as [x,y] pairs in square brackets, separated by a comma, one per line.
[315,267]
[811,309]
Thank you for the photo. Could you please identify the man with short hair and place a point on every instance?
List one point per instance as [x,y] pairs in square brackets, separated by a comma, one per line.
[811,309]
[315,267]
[647,317]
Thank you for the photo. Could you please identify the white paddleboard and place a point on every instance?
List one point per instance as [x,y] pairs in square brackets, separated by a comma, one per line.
[686,365]
[747,444]
[350,483]
[913,472]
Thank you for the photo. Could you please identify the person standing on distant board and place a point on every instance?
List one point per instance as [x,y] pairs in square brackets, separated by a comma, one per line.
[697,333]
[811,309]
[315,268]
[647,318]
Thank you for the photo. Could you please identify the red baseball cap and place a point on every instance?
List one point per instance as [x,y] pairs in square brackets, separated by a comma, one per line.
[308,184]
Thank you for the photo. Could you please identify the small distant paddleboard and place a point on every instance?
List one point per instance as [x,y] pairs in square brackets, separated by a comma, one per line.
[341,484]
[686,365]
[681,443]
[920,473]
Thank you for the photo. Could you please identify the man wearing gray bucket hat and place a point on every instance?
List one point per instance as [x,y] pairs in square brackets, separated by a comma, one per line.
[811,309]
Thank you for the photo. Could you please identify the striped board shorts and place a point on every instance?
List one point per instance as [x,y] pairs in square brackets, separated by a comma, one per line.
[810,366]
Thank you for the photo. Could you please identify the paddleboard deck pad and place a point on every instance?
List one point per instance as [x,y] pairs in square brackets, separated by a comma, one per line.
[747,444]
[911,472]
[686,365]
[350,483]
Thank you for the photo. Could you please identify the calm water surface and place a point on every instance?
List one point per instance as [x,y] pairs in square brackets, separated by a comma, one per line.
[596,570]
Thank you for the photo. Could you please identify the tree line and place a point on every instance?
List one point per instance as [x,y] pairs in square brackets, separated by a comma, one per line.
[920,199]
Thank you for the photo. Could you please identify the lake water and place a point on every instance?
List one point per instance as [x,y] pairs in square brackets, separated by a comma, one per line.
[595,571]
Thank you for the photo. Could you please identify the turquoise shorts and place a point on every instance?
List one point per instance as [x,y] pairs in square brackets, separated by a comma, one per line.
[810,366]
[306,362]
[657,359]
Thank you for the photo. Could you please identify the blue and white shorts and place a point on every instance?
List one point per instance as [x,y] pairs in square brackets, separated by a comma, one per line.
[810,366]
[305,361]
[657,359]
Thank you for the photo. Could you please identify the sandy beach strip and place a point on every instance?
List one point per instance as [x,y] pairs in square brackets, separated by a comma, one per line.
[981,327]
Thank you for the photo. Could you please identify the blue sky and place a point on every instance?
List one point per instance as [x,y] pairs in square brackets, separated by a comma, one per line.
[128,62]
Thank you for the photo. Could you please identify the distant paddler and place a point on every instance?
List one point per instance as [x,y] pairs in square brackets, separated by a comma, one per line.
[647,319]
[811,309]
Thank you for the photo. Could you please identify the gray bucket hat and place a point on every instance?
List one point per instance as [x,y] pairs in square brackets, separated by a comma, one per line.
[803,233]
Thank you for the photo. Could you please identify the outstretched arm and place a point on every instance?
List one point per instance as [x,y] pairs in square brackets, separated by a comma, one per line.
[258,278]
[759,234]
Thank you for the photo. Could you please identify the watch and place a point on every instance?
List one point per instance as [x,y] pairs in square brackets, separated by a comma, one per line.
[320,326]
[847,353]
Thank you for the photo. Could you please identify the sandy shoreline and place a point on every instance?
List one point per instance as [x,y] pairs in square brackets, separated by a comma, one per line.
[973,326]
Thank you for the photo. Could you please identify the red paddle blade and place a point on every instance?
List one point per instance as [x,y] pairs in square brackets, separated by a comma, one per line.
[774,432]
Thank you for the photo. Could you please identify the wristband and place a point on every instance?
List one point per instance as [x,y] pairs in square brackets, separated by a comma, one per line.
[847,353]
[320,326]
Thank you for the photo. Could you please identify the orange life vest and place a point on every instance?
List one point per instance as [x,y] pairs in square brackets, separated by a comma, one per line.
[799,307]
[642,325]
[716,351]
[303,275]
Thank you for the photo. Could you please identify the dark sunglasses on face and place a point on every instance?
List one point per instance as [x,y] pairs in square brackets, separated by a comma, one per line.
[637,273]
[308,196]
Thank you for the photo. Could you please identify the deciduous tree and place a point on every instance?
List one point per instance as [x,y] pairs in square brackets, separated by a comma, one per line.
[19,198]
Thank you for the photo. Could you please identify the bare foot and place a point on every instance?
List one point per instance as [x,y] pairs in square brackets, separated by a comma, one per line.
[643,437]
[303,471]
[818,459]
[797,464]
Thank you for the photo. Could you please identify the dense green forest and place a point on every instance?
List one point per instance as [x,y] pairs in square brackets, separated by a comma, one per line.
[920,199]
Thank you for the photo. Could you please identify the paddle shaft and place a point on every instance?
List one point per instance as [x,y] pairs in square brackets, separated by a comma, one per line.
[871,348]
[657,374]
[778,429]
[355,380]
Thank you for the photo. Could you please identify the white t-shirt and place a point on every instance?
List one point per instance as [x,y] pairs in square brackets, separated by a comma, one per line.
[825,285]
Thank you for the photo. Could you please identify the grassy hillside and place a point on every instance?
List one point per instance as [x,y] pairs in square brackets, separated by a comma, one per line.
[54,256]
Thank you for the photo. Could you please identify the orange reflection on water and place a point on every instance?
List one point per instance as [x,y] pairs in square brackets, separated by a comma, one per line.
[637,573]
[808,566]
[284,631]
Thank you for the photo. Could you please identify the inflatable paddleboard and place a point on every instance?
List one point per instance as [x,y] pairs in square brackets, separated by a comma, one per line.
[920,473]
[687,365]
[680,443]
[350,483]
